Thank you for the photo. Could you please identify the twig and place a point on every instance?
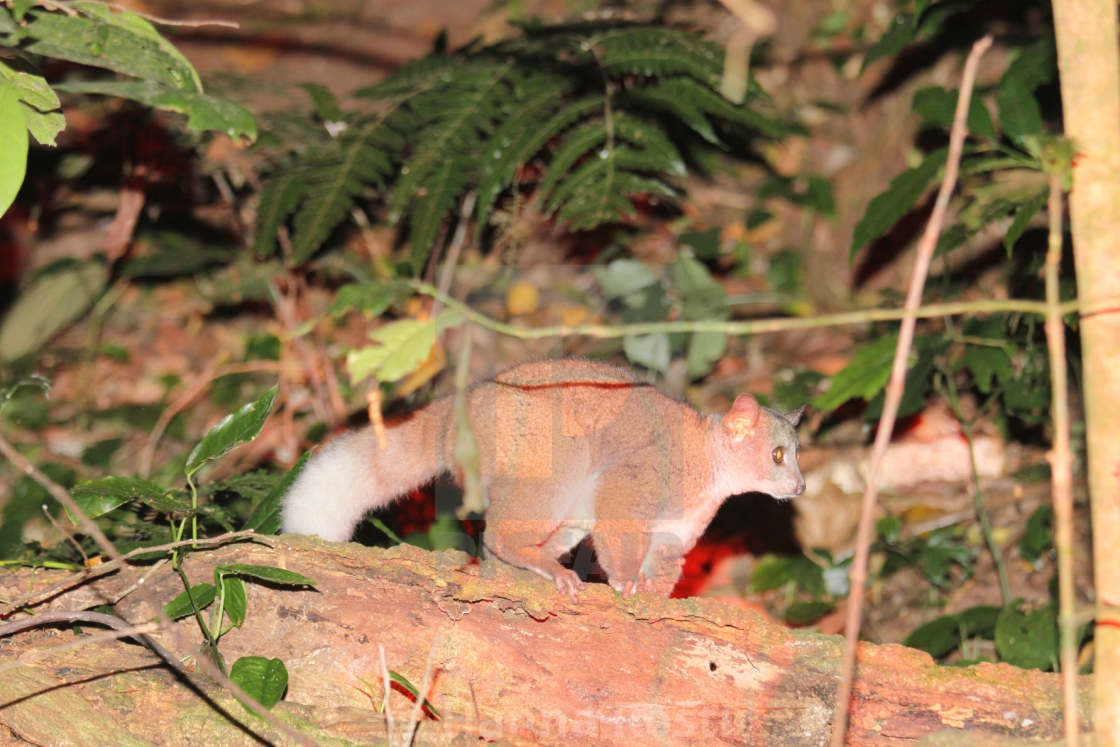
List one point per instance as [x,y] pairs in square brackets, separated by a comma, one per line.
[387,707]
[895,386]
[173,22]
[455,249]
[422,694]
[1061,480]
[45,651]
[112,565]
[59,493]
[980,509]
[65,533]
[745,327]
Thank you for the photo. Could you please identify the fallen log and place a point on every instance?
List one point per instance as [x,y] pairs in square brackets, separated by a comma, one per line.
[510,659]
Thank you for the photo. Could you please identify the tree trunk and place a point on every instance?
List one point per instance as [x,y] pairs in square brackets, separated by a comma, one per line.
[1086,32]
[512,660]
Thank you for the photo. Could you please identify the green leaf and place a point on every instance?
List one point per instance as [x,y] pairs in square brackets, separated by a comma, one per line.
[325,103]
[804,613]
[401,347]
[1023,216]
[263,679]
[181,606]
[987,364]
[99,497]
[401,680]
[651,351]
[937,637]
[623,278]
[899,198]
[267,573]
[232,431]
[902,31]
[1038,537]
[372,299]
[770,572]
[937,106]
[266,515]
[864,377]
[39,105]
[1019,113]
[1027,639]
[979,621]
[48,304]
[705,244]
[889,529]
[278,198]
[13,147]
[110,38]
[235,601]
[704,349]
[204,113]
[701,296]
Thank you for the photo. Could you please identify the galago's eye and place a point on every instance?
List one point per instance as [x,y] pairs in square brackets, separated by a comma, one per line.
[778,455]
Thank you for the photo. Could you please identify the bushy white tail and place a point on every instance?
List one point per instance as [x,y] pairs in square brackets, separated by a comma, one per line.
[353,475]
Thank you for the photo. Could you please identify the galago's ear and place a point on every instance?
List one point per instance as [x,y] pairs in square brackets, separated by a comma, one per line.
[741,419]
[795,417]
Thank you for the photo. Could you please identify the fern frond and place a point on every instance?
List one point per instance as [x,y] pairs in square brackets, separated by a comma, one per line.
[692,102]
[601,191]
[518,139]
[603,108]
[623,155]
[336,175]
[413,78]
[443,185]
[279,197]
[655,51]
[469,112]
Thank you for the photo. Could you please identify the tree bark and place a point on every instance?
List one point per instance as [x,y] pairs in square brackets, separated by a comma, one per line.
[1088,61]
[512,660]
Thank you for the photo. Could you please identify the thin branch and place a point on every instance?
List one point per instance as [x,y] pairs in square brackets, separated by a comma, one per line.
[745,327]
[1061,479]
[174,22]
[895,386]
[87,640]
[422,694]
[100,570]
[386,706]
[59,493]
[459,238]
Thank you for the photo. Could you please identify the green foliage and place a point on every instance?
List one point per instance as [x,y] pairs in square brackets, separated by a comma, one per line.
[13,159]
[265,680]
[943,635]
[935,554]
[59,294]
[232,431]
[400,348]
[1028,638]
[1038,537]
[684,290]
[594,114]
[103,36]
[812,583]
